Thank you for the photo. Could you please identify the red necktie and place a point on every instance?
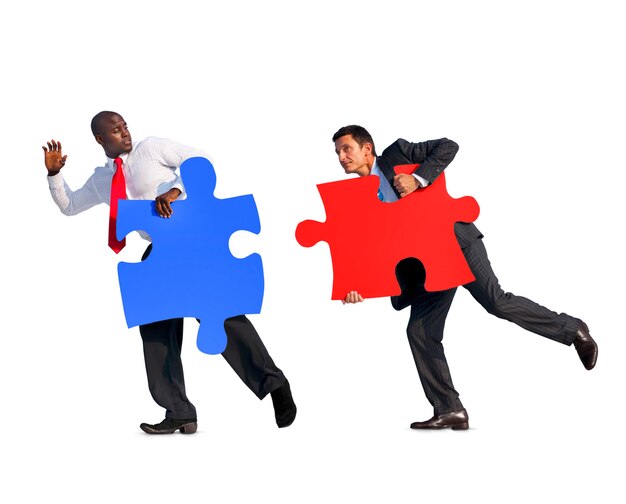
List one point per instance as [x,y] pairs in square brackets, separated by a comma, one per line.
[118,191]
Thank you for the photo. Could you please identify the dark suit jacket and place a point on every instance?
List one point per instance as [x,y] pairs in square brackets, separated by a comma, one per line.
[433,156]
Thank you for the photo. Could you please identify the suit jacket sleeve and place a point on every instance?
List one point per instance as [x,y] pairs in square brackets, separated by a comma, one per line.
[433,156]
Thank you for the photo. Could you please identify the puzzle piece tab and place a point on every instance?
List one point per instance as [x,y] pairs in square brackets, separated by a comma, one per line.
[367,238]
[190,271]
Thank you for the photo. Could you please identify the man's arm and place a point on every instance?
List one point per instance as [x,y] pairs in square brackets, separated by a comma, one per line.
[162,202]
[69,202]
[433,156]
[173,155]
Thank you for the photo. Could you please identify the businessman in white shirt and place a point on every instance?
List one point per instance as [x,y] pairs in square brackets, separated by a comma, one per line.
[149,170]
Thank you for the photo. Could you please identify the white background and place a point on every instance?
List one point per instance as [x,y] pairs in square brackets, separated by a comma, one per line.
[533,93]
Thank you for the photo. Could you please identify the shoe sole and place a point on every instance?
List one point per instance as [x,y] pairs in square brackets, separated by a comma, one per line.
[461,426]
[189,428]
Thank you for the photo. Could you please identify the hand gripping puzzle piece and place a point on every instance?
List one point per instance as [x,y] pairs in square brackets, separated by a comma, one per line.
[190,271]
[367,238]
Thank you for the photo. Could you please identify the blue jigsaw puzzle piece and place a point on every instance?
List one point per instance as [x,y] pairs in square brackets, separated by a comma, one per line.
[190,250]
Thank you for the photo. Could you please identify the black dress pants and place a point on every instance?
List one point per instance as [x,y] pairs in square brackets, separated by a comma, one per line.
[429,311]
[245,353]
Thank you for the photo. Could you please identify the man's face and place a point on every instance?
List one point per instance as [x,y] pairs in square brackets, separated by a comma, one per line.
[115,137]
[352,157]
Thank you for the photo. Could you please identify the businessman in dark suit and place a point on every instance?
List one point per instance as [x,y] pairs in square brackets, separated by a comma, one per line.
[355,148]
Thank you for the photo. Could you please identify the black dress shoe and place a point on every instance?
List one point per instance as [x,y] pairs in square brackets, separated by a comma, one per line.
[284,407]
[457,420]
[171,425]
[585,346]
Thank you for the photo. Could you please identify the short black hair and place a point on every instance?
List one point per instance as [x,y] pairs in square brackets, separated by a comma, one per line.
[359,133]
[98,119]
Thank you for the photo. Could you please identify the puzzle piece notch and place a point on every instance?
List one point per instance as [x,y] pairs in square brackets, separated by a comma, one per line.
[190,251]
[366,245]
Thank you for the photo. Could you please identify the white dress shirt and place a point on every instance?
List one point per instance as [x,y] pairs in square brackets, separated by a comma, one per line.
[150,169]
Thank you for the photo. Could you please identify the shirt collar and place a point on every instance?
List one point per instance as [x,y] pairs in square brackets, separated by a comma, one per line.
[375,169]
[111,161]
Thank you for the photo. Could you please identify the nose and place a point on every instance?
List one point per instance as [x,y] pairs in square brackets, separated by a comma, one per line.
[125,132]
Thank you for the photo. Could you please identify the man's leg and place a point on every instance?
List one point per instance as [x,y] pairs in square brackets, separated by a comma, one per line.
[162,342]
[247,355]
[425,333]
[519,310]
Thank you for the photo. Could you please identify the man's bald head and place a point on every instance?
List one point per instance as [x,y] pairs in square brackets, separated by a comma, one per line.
[100,120]
[111,132]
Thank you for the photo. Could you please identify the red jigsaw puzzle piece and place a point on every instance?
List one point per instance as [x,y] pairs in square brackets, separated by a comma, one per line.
[367,238]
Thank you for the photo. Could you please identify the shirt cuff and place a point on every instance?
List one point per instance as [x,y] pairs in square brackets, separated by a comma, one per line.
[421,180]
[56,181]
[181,188]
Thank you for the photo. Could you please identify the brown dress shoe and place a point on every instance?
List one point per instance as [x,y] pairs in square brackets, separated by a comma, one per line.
[585,346]
[171,425]
[457,420]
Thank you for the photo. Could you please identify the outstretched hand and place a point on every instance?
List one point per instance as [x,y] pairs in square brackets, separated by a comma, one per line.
[53,157]
[162,202]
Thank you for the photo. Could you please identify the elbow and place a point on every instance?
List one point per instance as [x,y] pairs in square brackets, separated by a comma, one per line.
[67,210]
[451,145]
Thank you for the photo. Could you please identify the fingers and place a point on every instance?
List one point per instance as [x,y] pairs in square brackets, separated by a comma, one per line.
[352,298]
[53,146]
[163,207]
[53,157]
[158,203]
[404,184]
[167,209]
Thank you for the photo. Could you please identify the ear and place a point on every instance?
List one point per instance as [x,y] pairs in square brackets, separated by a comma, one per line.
[367,147]
[99,139]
